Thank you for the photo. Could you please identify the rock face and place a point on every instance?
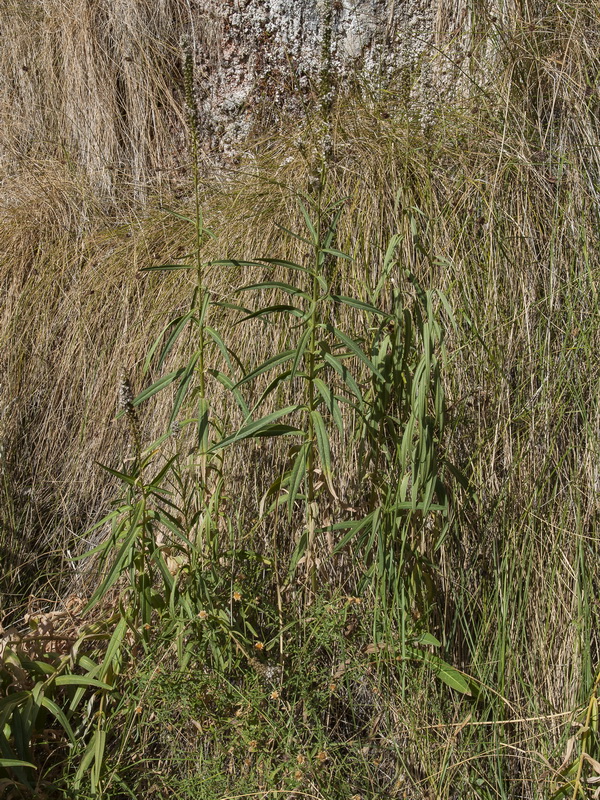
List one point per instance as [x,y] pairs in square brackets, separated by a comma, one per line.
[278,56]
[97,83]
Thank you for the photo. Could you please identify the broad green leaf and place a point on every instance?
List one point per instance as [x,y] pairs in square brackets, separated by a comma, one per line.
[450,676]
[428,639]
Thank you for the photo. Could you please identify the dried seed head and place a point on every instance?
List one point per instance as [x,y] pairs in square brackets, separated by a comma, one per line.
[191,97]
[176,429]
[125,394]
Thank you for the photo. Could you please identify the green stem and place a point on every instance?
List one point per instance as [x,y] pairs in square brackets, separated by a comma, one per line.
[310,477]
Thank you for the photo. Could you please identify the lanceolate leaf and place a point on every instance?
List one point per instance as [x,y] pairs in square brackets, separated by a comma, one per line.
[283,287]
[323,448]
[351,301]
[15,762]
[331,403]
[353,346]
[296,476]
[167,267]
[119,562]
[346,376]
[259,427]
[270,363]
[158,386]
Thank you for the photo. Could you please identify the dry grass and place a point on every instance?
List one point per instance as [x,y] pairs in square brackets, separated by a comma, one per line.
[505,184]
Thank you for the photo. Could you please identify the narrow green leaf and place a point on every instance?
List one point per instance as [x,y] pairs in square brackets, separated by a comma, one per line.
[173,323]
[203,424]
[122,476]
[229,384]
[116,640]
[96,772]
[276,285]
[345,375]
[117,567]
[268,310]
[323,449]
[255,428]
[278,262]
[354,527]
[270,363]
[158,386]
[300,350]
[81,680]
[60,716]
[15,762]
[331,403]
[337,253]
[184,385]
[302,239]
[351,301]
[283,376]
[313,233]
[353,346]
[296,476]
[167,268]
[177,215]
